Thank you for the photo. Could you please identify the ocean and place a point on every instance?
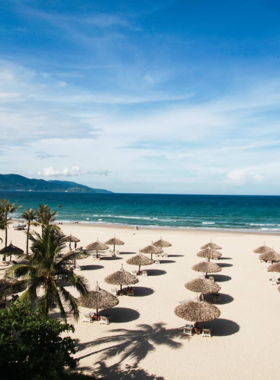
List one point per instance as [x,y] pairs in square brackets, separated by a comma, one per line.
[261,213]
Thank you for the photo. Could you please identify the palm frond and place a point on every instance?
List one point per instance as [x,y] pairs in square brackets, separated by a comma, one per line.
[71,302]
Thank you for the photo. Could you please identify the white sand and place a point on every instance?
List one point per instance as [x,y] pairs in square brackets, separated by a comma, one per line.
[245,337]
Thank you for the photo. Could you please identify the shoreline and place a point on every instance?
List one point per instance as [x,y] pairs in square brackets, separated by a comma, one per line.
[120,226]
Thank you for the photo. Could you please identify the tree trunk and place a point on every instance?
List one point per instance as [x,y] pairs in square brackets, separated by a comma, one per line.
[27,238]
[6,230]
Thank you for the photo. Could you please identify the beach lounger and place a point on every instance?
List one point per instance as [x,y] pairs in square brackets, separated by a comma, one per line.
[134,272]
[211,278]
[114,291]
[104,320]
[206,331]
[144,273]
[157,261]
[87,318]
[130,292]
[216,297]
[188,330]
[273,281]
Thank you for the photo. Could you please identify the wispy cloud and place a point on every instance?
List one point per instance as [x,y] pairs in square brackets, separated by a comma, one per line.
[74,171]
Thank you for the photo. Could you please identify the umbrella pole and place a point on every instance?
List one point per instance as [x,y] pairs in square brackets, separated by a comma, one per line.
[139,269]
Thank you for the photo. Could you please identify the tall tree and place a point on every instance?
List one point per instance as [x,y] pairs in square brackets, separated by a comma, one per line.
[29,215]
[45,216]
[7,208]
[46,269]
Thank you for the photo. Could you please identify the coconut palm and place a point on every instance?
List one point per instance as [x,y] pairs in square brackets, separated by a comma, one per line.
[46,271]
[29,215]
[45,216]
[6,208]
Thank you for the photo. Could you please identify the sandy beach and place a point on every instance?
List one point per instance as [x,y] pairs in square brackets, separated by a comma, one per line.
[144,339]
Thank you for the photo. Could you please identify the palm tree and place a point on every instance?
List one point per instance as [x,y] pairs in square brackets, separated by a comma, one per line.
[45,216]
[47,270]
[29,215]
[6,208]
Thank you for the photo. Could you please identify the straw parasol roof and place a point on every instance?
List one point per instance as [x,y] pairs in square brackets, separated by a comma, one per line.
[209,253]
[139,259]
[151,249]
[274,268]
[211,245]
[97,246]
[206,267]
[98,299]
[76,255]
[263,249]
[270,256]
[162,243]
[121,277]
[195,311]
[202,285]
[114,241]
[11,249]
[71,239]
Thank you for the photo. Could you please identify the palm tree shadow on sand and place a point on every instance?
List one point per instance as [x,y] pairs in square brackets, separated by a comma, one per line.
[115,372]
[136,344]
[133,344]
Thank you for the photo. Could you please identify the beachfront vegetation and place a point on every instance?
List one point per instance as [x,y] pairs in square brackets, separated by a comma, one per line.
[31,345]
[29,216]
[45,216]
[46,270]
[6,208]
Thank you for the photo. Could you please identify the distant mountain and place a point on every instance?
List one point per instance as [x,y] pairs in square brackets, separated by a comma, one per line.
[14,182]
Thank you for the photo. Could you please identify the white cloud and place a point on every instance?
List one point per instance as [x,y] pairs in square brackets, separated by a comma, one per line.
[241,176]
[69,172]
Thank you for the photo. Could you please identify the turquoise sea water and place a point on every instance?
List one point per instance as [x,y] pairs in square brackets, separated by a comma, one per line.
[189,211]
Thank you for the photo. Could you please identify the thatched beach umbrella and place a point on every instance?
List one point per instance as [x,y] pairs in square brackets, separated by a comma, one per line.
[72,239]
[211,245]
[11,250]
[263,249]
[202,285]
[139,260]
[114,241]
[97,246]
[206,267]
[75,255]
[209,253]
[98,299]
[162,243]
[197,311]
[121,277]
[274,268]
[152,250]
[270,256]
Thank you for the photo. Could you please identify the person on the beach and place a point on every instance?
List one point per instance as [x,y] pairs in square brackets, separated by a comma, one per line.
[75,245]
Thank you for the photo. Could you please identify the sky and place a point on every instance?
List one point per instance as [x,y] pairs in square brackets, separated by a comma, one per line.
[159,96]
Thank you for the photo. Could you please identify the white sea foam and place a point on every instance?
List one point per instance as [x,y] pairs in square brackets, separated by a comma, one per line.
[208,223]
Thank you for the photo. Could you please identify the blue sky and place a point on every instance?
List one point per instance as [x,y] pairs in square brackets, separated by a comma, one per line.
[142,96]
